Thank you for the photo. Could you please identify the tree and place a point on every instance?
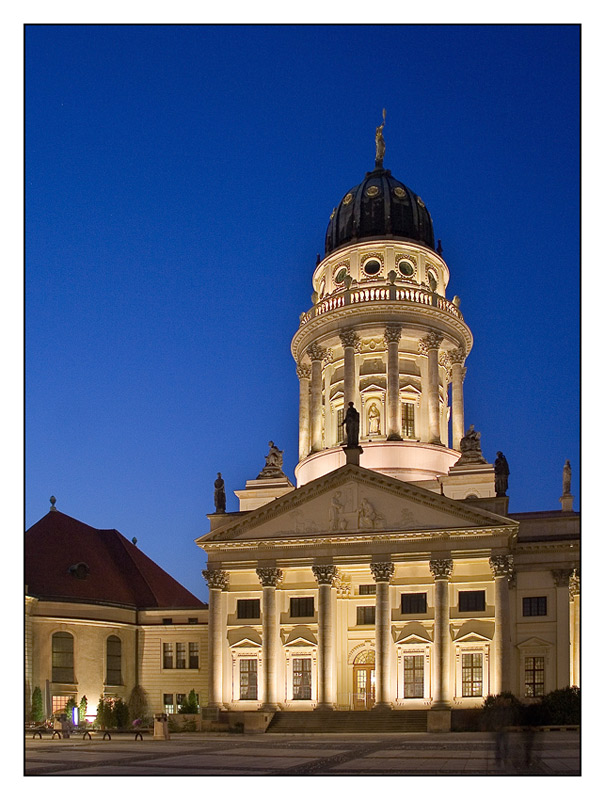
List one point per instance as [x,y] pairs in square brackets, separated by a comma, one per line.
[101,719]
[138,704]
[190,706]
[69,707]
[121,714]
[83,709]
[37,705]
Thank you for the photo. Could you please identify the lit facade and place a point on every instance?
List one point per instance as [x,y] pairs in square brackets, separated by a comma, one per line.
[393,575]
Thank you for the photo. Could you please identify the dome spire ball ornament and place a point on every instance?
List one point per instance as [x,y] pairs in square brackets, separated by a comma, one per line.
[53,500]
[380,145]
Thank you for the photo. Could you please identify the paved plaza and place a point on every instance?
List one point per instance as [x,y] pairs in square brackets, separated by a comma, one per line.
[465,754]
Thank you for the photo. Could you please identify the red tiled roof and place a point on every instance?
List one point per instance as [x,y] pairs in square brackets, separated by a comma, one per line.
[119,572]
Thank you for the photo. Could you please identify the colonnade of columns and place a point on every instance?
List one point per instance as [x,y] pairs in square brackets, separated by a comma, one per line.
[310,407]
[326,576]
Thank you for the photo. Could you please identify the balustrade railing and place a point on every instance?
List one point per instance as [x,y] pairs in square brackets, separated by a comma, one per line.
[369,294]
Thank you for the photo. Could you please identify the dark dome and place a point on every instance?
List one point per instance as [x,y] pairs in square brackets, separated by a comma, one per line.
[380,206]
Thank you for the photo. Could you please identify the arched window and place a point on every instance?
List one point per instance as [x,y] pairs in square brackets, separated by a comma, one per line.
[62,658]
[114,661]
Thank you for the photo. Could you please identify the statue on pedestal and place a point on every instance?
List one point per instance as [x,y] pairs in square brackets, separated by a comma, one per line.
[470,448]
[351,423]
[220,501]
[501,472]
[274,461]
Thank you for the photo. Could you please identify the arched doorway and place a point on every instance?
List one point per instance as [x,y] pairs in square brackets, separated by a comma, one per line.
[364,680]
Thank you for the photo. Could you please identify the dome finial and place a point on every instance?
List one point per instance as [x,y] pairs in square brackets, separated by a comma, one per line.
[53,500]
[380,146]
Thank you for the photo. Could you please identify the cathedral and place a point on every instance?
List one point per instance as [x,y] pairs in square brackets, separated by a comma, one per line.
[392,576]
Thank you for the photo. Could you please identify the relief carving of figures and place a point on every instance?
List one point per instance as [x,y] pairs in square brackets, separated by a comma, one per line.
[274,461]
[382,572]
[343,585]
[501,473]
[216,578]
[220,501]
[374,419]
[441,568]
[269,576]
[470,448]
[325,573]
[567,478]
[335,517]
[367,517]
[501,566]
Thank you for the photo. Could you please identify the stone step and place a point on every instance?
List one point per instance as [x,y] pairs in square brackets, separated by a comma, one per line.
[348,722]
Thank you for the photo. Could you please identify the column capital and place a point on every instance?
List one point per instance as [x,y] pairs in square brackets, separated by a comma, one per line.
[315,352]
[430,342]
[324,573]
[501,566]
[574,584]
[561,576]
[269,576]
[303,371]
[457,356]
[349,338]
[216,578]
[382,571]
[392,333]
[441,568]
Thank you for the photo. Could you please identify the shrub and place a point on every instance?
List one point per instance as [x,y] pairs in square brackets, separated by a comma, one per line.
[120,713]
[83,707]
[500,711]
[188,725]
[138,704]
[101,718]
[561,707]
[190,706]
[37,706]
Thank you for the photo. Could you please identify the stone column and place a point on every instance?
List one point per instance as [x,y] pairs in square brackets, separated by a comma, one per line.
[561,578]
[349,340]
[574,599]
[316,354]
[441,570]
[382,573]
[458,372]
[430,346]
[304,374]
[392,335]
[269,578]
[217,580]
[502,569]
[325,575]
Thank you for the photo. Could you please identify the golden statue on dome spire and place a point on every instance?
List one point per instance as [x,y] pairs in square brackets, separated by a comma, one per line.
[380,146]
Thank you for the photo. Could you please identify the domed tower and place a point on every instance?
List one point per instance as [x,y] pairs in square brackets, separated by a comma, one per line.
[381,334]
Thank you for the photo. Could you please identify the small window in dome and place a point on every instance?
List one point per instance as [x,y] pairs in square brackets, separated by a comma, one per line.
[432,281]
[399,192]
[341,275]
[347,198]
[371,267]
[406,268]
[372,191]
[322,288]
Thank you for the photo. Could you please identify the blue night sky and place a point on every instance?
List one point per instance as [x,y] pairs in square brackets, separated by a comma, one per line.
[179,182]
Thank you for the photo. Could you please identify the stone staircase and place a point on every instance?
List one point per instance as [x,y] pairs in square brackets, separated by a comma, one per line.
[348,722]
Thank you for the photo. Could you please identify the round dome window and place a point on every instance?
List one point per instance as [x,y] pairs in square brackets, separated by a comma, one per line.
[341,275]
[406,268]
[371,267]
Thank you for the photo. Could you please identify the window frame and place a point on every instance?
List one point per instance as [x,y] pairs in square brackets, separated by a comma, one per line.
[68,669]
[251,687]
[116,658]
[300,603]
[533,672]
[245,604]
[416,595]
[472,608]
[366,611]
[534,609]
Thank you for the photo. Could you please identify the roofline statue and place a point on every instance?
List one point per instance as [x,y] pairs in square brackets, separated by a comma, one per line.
[380,145]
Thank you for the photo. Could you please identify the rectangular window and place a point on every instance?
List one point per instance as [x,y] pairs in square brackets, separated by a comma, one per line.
[472,674]
[534,676]
[302,607]
[340,430]
[169,704]
[194,655]
[62,658]
[168,655]
[534,606]
[180,700]
[366,615]
[413,603]
[367,588]
[407,421]
[114,661]
[471,601]
[413,676]
[248,679]
[193,621]
[248,609]
[181,656]
[167,621]
[301,678]
[59,701]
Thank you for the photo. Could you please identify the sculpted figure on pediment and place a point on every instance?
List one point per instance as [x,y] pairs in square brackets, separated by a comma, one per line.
[407,519]
[367,517]
[335,514]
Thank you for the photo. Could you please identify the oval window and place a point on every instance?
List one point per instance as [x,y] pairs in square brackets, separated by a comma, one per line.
[432,281]
[406,268]
[371,267]
[341,275]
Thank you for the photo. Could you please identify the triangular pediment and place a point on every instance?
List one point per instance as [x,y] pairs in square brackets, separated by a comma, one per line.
[244,637]
[534,641]
[475,630]
[352,501]
[300,637]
